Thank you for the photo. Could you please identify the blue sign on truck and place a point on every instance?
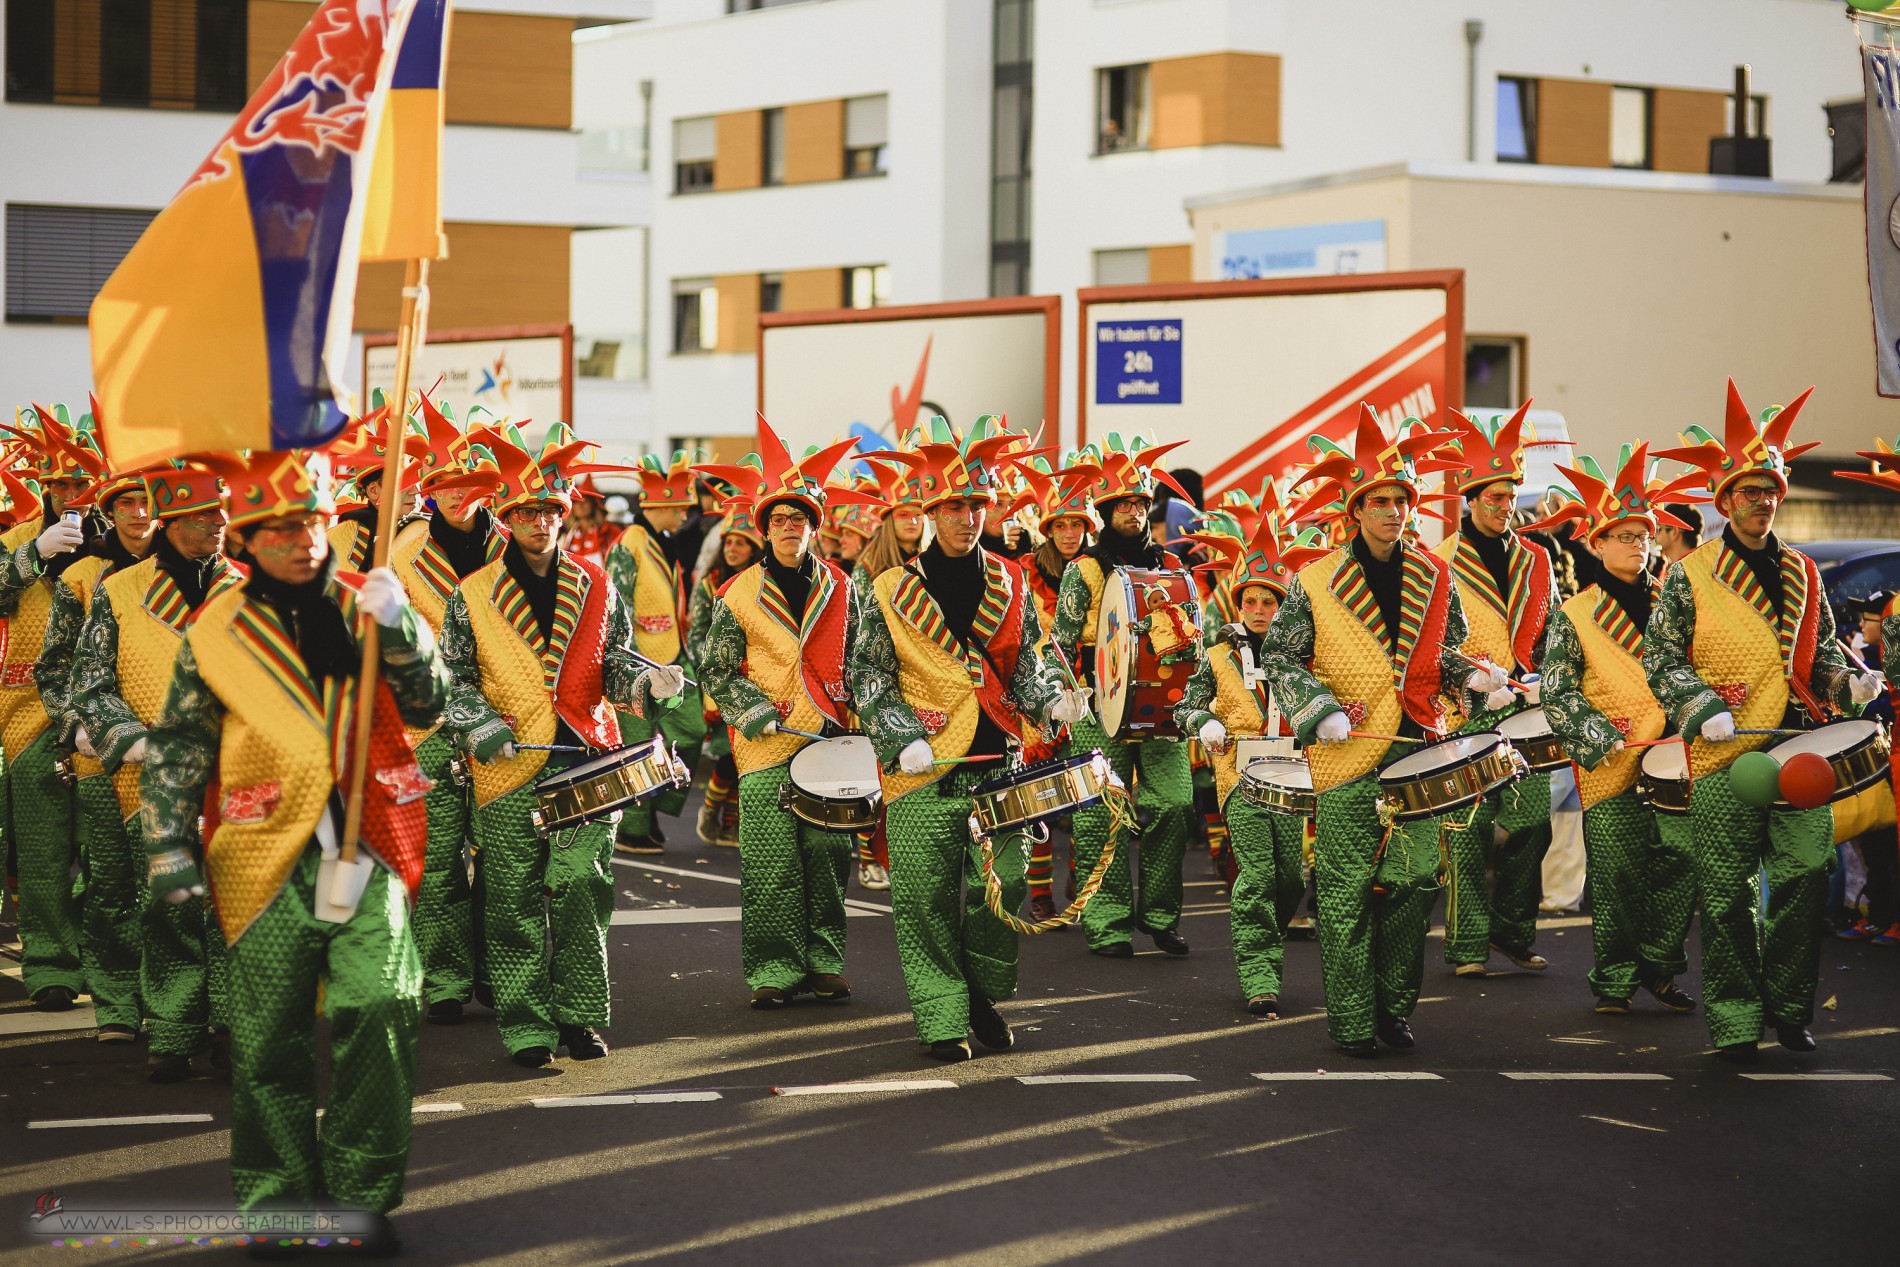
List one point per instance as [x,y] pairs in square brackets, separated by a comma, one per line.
[1138,362]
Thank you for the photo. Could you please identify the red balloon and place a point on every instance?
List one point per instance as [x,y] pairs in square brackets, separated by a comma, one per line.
[1807,780]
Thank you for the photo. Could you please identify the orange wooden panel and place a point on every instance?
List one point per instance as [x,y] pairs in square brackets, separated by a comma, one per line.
[740,150]
[511,69]
[1573,122]
[1171,263]
[275,25]
[76,38]
[1681,122]
[738,312]
[811,290]
[1215,99]
[174,37]
[814,142]
[495,275]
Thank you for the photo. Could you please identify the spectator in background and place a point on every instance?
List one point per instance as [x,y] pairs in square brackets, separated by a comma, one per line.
[1673,544]
[1177,517]
[684,542]
[1879,848]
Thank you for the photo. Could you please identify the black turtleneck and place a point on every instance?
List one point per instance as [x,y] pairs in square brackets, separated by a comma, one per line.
[1493,552]
[191,576]
[110,548]
[1116,551]
[793,582]
[1385,578]
[311,615]
[1632,596]
[957,585]
[1765,563]
[539,589]
[466,548]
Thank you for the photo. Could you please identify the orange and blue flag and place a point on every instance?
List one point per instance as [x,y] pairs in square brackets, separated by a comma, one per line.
[227,325]
[402,219]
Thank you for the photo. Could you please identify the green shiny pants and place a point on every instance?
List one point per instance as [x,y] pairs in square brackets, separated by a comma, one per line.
[1642,894]
[51,894]
[114,862]
[372,986]
[445,905]
[684,726]
[1156,772]
[184,974]
[792,879]
[1507,915]
[1266,893]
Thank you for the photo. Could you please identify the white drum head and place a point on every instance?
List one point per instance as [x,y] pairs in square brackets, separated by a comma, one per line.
[1287,772]
[837,768]
[1115,649]
[1456,751]
[1828,741]
[1666,761]
[1529,724]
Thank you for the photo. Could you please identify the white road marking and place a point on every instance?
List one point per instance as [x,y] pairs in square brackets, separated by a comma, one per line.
[1276,1143]
[1351,1075]
[1588,1077]
[34,1021]
[150,1119]
[1617,1121]
[1818,1077]
[697,915]
[856,1088]
[439,1106]
[638,1097]
[1054,1079]
[716,878]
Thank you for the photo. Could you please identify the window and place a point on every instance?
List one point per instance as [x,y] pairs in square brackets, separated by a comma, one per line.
[866,130]
[1847,133]
[1121,109]
[1629,127]
[1517,120]
[771,291]
[1122,268]
[695,315]
[1494,371]
[1012,90]
[695,141]
[607,302]
[867,286]
[129,53]
[59,257]
[772,147]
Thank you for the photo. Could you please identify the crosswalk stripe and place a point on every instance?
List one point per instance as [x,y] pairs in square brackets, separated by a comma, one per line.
[149,1119]
[1351,1075]
[857,1088]
[1056,1079]
[1818,1077]
[1586,1077]
[637,1097]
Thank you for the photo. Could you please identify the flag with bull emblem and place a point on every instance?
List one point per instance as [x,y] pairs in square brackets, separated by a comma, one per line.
[227,324]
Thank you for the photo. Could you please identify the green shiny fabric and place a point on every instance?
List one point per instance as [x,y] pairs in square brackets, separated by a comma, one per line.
[51,893]
[1267,891]
[1642,894]
[114,864]
[1157,772]
[445,907]
[792,880]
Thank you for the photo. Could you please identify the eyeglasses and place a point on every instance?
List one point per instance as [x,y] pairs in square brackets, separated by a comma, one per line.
[304,525]
[788,519]
[536,514]
[1751,494]
[1629,538]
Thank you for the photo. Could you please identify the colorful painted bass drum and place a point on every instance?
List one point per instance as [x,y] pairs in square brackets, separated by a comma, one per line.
[1144,617]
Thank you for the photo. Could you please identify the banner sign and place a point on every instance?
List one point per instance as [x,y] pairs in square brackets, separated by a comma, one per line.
[1138,362]
[1880,63]
[523,376]
[1306,250]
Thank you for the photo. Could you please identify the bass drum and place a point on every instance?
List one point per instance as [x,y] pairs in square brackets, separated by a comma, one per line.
[1137,692]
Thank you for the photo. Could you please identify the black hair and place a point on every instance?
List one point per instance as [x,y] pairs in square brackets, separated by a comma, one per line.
[1688,514]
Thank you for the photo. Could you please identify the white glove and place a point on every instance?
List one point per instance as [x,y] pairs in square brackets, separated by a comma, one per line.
[504,753]
[1533,690]
[383,597]
[1487,681]
[770,728]
[1071,705]
[1335,727]
[83,742]
[916,758]
[58,539]
[1719,728]
[135,755]
[1865,688]
[1213,734]
[1500,699]
[666,681]
[1617,747]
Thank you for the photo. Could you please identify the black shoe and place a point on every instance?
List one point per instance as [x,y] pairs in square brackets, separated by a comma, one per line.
[1794,1037]
[221,1051]
[381,1240]
[1670,995]
[768,998]
[1042,907]
[1170,942]
[168,1069]
[55,998]
[1267,1005]
[113,1032]
[1395,1033]
[1613,1007]
[1523,956]
[1739,1053]
[533,1057]
[445,1012]
[1364,1049]
[989,1026]
[485,995]
[1114,950]
[828,987]
[583,1042]
[951,1050]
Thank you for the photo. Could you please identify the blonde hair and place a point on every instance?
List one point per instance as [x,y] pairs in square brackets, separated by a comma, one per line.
[884,552]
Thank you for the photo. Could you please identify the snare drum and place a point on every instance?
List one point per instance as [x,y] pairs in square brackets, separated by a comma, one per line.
[1530,733]
[1136,691]
[1037,791]
[1447,776]
[599,786]
[833,784]
[1857,750]
[1662,781]
[1279,785]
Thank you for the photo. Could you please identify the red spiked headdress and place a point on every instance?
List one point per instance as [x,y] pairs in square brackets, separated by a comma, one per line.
[1490,456]
[1375,460]
[1635,493]
[1269,557]
[1743,450]
[778,477]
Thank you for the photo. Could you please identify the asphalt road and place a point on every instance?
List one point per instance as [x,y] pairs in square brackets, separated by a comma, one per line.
[1177,1129]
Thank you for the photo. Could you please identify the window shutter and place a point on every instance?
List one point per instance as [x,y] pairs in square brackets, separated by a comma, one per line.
[59,257]
[866,121]
[695,140]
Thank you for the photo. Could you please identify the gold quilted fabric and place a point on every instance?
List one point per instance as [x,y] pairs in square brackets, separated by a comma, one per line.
[1614,684]
[1357,669]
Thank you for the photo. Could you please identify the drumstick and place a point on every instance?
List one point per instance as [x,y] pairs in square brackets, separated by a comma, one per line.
[1367,734]
[1064,662]
[655,664]
[1511,682]
[1782,731]
[988,756]
[550,747]
[802,734]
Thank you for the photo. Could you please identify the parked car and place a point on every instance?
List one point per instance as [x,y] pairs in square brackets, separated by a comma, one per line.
[1851,570]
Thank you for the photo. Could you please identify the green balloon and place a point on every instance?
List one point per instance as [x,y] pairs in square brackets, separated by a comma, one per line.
[1756,779]
[1871,6]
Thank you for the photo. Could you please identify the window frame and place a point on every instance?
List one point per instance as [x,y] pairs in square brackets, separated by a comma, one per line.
[879,283]
[224,29]
[1144,117]
[1648,96]
[1518,347]
[693,291]
[1526,91]
[771,152]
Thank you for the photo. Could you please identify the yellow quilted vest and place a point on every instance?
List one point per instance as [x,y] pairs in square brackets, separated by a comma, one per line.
[1356,668]
[268,741]
[405,557]
[22,719]
[1488,634]
[1614,685]
[343,541]
[515,683]
[1238,709]
[654,608]
[1735,651]
[772,664]
[932,682]
[1091,570]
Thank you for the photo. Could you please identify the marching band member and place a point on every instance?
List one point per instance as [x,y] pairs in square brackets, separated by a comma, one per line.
[942,674]
[537,645]
[263,697]
[431,557]
[741,544]
[1508,588]
[653,590]
[109,939]
[776,659]
[1742,638]
[1227,697]
[121,672]
[353,535]
[857,523]
[39,549]
[1878,642]
[1641,881]
[1120,484]
[1368,636]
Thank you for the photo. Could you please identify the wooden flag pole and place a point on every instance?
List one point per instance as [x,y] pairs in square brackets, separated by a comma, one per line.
[409,334]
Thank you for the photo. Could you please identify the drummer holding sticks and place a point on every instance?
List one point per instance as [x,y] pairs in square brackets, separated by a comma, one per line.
[1742,638]
[1368,638]
[775,664]
[1227,698]
[1641,877]
[539,649]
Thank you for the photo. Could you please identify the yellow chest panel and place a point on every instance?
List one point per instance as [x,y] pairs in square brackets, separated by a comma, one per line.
[1487,633]
[402,558]
[1614,684]
[1357,669]
[1238,710]
[1091,570]
[655,606]
[1739,655]
[936,686]
[148,651]
[21,716]
[772,665]
[515,683]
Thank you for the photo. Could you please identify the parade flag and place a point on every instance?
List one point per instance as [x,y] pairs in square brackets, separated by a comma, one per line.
[228,323]
[1880,66]
[402,219]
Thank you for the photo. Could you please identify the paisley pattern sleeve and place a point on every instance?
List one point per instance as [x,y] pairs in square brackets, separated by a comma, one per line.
[1072,609]
[18,570]
[722,676]
[95,700]
[469,718]
[413,668]
[882,710]
[1685,698]
[622,569]
[1036,686]
[1197,703]
[1890,646]
[1285,653]
[1587,735]
[1452,667]
[52,672]
[180,755]
[699,615]
[623,679]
